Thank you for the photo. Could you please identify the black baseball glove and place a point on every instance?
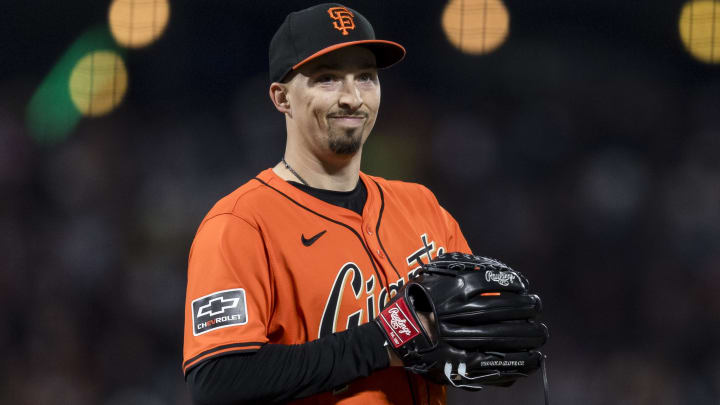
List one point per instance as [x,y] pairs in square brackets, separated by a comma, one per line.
[483,331]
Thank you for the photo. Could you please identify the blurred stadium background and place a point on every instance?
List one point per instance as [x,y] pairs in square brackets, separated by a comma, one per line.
[577,140]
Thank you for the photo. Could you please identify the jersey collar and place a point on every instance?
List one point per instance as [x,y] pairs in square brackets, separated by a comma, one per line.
[370,211]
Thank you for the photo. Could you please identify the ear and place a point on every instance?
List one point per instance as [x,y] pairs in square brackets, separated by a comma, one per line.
[278,95]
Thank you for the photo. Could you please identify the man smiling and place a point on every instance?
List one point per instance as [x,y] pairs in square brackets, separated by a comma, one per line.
[310,251]
[330,105]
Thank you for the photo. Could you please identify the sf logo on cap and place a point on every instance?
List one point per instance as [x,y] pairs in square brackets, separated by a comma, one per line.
[343,19]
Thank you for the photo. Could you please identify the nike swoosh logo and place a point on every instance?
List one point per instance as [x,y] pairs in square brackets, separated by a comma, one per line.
[308,242]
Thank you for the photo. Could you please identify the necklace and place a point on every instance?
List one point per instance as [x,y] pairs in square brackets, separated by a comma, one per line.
[294,172]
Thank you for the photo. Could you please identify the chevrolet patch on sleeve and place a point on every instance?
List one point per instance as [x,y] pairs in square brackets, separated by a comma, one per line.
[219,310]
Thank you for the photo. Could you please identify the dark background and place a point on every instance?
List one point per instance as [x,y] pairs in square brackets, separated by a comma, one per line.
[584,152]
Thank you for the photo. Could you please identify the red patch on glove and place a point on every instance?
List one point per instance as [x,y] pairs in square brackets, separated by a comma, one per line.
[398,323]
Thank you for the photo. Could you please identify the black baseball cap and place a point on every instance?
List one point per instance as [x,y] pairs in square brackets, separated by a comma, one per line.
[315,31]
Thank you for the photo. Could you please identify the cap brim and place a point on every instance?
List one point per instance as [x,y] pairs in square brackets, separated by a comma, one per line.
[387,53]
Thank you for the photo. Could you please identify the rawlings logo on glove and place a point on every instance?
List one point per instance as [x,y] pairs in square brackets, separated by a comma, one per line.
[503,279]
[397,324]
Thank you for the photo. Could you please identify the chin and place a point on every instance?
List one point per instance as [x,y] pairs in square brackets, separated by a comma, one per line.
[345,148]
[346,142]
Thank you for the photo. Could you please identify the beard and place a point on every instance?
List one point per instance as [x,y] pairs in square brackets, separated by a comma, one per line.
[345,142]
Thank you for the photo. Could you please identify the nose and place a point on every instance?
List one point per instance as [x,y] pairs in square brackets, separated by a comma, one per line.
[350,98]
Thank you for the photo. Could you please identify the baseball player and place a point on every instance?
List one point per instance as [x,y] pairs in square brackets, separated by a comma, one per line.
[287,273]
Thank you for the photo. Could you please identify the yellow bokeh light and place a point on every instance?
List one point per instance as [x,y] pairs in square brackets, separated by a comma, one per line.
[98,82]
[137,23]
[700,29]
[476,26]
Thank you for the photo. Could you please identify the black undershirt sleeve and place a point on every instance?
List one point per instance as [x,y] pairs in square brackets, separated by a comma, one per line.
[278,373]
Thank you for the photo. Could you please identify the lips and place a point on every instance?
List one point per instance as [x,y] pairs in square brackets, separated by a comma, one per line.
[347,116]
[348,120]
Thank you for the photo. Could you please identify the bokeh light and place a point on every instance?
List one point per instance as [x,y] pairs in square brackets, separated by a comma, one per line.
[138,23]
[700,29]
[98,82]
[51,113]
[476,26]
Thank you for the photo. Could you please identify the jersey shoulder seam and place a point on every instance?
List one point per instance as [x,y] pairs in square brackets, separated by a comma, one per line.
[233,215]
[237,198]
[257,186]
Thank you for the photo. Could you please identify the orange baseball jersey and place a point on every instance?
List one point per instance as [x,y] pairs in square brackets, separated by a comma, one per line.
[273,264]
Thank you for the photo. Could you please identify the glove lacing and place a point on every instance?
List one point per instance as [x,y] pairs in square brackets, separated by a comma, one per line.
[462,372]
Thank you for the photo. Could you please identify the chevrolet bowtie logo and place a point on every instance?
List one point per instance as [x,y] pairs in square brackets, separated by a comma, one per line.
[343,19]
[217,306]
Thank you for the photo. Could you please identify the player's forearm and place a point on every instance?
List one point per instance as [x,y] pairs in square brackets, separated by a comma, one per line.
[281,372]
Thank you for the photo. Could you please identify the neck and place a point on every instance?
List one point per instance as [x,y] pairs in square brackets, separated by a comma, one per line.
[337,173]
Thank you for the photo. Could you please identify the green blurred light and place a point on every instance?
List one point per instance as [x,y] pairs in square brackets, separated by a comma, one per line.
[51,114]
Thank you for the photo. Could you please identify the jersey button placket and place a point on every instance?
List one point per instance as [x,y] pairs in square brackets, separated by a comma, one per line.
[373,242]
